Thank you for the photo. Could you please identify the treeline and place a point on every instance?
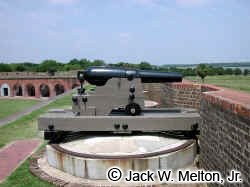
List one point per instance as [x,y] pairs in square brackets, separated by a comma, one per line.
[75,64]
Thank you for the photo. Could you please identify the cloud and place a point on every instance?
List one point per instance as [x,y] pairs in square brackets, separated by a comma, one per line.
[63,2]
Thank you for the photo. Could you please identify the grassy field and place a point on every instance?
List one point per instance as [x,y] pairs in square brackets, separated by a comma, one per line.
[12,106]
[241,83]
[25,128]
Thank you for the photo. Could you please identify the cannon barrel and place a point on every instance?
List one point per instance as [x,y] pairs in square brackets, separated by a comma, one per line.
[100,75]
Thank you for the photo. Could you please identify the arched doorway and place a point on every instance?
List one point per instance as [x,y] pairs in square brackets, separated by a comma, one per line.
[30,90]
[44,90]
[59,89]
[5,90]
[18,91]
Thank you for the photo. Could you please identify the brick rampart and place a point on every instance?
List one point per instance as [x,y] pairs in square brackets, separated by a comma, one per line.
[225,127]
[32,87]
[37,75]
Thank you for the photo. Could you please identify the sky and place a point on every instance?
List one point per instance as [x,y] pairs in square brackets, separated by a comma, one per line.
[156,31]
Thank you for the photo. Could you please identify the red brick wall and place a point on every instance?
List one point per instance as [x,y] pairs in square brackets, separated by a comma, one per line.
[225,127]
[67,83]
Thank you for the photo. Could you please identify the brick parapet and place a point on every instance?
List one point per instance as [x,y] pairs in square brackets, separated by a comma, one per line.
[188,94]
[36,75]
[225,127]
[224,141]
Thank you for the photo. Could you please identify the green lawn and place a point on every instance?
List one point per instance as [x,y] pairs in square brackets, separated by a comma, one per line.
[239,82]
[12,106]
[21,177]
[25,128]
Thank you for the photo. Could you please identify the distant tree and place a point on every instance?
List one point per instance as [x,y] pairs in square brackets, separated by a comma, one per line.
[74,61]
[220,71]
[145,66]
[163,69]
[202,71]
[189,72]
[211,70]
[246,72]
[20,68]
[229,71]
[5,68]
[237,71]
[47,65]
[98,63]
[85,63]
[68,67]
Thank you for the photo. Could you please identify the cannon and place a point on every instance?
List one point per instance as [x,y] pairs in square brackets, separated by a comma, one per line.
[116,105]
[100,75]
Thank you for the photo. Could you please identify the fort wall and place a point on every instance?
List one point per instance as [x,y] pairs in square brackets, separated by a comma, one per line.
[225,127]
[36,84]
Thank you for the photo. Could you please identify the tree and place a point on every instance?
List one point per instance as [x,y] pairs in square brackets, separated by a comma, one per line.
[188,72]
[98,63]
[220,71]
[48,65]
[202,71]
[246,72]
[145,66]
[74,61]
[85,63]
[20,68]
[5,68]
[237,71]
[229,71]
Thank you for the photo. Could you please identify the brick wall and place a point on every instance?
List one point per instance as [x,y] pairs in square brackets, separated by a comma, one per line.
[225,128]
[185,94]
[153,91]
[181,95]
[37,75]
[67,83]
[225,133]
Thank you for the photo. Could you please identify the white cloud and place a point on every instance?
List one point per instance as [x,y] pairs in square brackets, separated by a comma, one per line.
[62,2]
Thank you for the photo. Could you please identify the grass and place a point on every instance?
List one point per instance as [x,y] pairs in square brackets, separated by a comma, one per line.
[12,106]
[239,82]
[21,177]
[25,128]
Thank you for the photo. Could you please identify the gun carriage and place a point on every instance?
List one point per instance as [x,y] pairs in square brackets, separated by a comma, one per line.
[116,106]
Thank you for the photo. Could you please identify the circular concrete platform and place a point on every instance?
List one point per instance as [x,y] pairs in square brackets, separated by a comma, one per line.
[91,157]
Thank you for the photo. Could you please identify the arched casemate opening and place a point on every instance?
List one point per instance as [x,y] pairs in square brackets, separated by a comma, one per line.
[31,92]
[18,91]
[44,90]
[5,90]
[59,89]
